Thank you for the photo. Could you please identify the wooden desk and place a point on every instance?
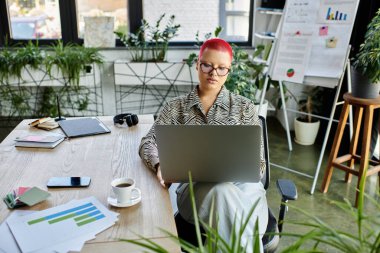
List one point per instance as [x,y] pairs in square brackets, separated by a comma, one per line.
[103,158]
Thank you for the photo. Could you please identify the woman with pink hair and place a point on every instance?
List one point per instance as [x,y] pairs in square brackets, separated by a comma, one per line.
[211,103]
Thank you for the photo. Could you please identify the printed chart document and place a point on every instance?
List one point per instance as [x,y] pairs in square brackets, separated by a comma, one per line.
[295,41]
[314,39]
[7,241]
[9,244]
[61,228]
[293,53]
[333,31]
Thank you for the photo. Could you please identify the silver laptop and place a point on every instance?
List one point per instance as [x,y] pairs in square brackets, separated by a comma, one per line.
[213,153]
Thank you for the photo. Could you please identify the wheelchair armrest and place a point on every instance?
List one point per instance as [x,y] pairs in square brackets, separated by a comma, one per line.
[287,189]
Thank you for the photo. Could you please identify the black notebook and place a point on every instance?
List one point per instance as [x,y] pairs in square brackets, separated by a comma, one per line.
[83,127]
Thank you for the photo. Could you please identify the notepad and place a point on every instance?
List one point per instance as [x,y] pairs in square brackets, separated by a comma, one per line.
[39,140]
[33,196]
[25,196]
[83,127]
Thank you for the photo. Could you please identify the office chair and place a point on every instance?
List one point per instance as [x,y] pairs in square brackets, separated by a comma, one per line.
[286,188]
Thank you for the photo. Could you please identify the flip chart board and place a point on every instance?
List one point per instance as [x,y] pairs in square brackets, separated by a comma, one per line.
[313,41]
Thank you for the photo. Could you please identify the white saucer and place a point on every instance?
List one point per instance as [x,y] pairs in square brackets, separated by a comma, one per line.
[136,195]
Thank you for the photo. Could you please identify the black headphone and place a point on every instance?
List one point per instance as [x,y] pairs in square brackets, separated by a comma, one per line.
[129,118]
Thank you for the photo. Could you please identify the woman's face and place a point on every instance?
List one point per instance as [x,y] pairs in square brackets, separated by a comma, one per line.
[213,68]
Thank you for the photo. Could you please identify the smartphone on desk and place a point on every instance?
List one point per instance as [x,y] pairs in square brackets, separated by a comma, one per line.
[57,182]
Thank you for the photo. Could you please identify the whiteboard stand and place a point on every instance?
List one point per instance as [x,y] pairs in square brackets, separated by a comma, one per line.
[348,69]
[267,77]
[310,81]
[328,82]
[282,93]
[285,115]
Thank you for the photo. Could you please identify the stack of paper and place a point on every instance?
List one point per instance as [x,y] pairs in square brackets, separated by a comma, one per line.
[45,140]
[59,229]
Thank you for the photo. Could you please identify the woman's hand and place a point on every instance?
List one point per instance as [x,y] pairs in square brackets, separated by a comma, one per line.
[159,177]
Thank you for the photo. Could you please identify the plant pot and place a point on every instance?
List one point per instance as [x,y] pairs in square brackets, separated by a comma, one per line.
[362,87]
[32,78]
[306,132]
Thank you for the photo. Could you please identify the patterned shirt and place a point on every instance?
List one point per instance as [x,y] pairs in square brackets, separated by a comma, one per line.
[228,109]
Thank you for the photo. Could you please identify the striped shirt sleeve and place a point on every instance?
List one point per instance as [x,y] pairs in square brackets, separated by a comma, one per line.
[148,146]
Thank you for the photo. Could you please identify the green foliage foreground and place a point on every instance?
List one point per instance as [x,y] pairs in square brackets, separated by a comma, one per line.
[365,240]
[320,235]
[214,242]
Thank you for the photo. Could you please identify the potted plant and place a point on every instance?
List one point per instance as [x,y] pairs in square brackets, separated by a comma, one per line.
[150,43]
[366,71]
[247,77]
[135,42]
[14,63]
[306,126]
[148,48]
[32,77]
[71,61]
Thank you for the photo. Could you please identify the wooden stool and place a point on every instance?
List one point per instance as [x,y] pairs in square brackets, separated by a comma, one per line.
[368,106]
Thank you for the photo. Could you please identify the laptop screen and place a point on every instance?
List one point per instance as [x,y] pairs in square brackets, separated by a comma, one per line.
[213,153]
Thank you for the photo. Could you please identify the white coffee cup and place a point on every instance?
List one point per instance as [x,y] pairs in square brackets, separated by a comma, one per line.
[123,188]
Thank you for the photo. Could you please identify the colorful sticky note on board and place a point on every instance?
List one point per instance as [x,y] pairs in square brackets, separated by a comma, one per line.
[34,196]
[331,42]
[323,31]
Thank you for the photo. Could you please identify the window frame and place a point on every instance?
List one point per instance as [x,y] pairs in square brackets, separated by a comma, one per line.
[224,14]
[69,27]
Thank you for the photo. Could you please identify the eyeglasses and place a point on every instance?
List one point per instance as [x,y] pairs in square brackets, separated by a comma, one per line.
[208,68]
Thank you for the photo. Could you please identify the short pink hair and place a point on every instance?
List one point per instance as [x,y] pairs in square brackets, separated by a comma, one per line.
[216,44]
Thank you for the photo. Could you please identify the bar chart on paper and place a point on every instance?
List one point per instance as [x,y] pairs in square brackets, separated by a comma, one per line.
[82,215]
[69,224]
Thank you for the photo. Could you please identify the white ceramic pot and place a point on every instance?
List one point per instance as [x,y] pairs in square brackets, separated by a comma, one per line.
[305,132]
